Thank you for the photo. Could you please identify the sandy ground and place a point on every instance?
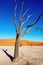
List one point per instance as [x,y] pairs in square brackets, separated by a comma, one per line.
[31,54]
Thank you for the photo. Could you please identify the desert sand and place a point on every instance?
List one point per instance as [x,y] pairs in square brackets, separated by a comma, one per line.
[11,42]
[29,55]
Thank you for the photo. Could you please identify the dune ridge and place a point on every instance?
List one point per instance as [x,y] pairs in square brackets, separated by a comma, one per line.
[11,42]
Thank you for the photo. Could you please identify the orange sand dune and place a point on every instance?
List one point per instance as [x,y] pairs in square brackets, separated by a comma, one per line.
[11,42]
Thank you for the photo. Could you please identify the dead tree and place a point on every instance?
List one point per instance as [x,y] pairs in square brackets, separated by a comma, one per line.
[20,30]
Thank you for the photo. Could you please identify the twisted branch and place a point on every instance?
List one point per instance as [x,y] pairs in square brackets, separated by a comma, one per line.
[35,21]
[41,29]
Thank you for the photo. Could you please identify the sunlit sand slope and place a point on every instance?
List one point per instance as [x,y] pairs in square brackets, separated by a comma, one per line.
[11,42]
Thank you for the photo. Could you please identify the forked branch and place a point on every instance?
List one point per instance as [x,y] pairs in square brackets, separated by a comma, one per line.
[28,30]
[35,21]
[22,23]
[26,20]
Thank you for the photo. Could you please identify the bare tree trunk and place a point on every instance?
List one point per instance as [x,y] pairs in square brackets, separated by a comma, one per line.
[16,50]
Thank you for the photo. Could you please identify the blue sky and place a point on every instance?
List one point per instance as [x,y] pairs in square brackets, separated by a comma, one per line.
[7,28]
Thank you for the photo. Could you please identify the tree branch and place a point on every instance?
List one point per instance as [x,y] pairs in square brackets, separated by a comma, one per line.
[24,34]
[10,57]
[30,29]
[35,21]
[15,18]
[41,29]
[26,20]
[23,29]
[21,14]
[25,12]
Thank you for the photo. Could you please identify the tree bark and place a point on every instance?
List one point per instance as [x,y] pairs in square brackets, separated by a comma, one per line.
[16,50]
